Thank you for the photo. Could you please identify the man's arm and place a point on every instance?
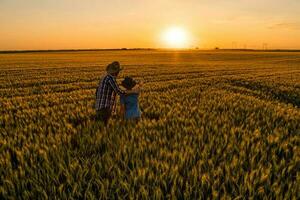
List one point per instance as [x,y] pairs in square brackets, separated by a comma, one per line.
[115,86]
[133,91]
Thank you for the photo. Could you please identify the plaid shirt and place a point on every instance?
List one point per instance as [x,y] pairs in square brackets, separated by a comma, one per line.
[106,92]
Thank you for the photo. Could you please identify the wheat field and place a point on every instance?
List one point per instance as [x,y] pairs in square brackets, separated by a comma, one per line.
[216,125]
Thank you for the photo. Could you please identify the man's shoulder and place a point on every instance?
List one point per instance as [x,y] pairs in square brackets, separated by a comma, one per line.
[107,77]
[110,77]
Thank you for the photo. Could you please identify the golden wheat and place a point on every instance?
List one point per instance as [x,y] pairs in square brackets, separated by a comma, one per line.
[215,125]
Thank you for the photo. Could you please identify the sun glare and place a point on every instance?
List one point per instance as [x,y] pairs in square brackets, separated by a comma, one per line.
[175,37]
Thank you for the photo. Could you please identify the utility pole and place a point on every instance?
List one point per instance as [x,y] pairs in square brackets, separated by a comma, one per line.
[265,46]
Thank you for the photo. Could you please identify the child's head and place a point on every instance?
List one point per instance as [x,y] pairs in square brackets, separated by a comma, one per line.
[128,83]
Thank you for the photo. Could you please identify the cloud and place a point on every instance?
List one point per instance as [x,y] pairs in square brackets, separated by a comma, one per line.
[286,25]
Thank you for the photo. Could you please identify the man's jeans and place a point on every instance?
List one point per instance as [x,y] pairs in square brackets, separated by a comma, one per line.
[103,115]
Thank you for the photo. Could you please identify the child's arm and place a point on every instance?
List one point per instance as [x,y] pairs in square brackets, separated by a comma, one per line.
[140,85]
[122,110]
[122,107]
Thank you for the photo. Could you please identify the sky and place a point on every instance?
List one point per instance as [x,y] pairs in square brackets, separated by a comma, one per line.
[85,24]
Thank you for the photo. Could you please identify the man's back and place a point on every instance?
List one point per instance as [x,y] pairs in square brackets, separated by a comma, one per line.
[106,92]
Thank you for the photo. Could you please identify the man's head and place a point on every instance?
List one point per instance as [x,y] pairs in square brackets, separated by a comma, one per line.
[113,68]
[115,74]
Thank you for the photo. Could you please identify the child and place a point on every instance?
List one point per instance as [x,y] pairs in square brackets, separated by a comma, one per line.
[130,102]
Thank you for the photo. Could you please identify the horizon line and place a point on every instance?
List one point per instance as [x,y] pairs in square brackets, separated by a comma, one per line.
[170,49]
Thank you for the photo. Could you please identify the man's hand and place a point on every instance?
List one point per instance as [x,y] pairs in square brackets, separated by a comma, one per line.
[134,91]
[141,83]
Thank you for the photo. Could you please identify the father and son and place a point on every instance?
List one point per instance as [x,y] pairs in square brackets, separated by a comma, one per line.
[107,91]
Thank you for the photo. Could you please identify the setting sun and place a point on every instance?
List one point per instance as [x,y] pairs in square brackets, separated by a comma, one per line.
[175,37]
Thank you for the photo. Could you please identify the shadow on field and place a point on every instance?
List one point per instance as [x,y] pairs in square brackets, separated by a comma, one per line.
[263,91]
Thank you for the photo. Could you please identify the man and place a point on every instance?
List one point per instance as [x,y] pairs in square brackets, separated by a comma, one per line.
[106,93]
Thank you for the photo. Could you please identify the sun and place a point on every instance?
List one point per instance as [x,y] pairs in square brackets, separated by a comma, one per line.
[175,37]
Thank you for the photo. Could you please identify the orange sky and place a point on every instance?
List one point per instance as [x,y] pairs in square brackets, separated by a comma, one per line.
[69,24]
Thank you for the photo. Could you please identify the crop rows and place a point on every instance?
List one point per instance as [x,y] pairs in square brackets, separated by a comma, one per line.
[215,125]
